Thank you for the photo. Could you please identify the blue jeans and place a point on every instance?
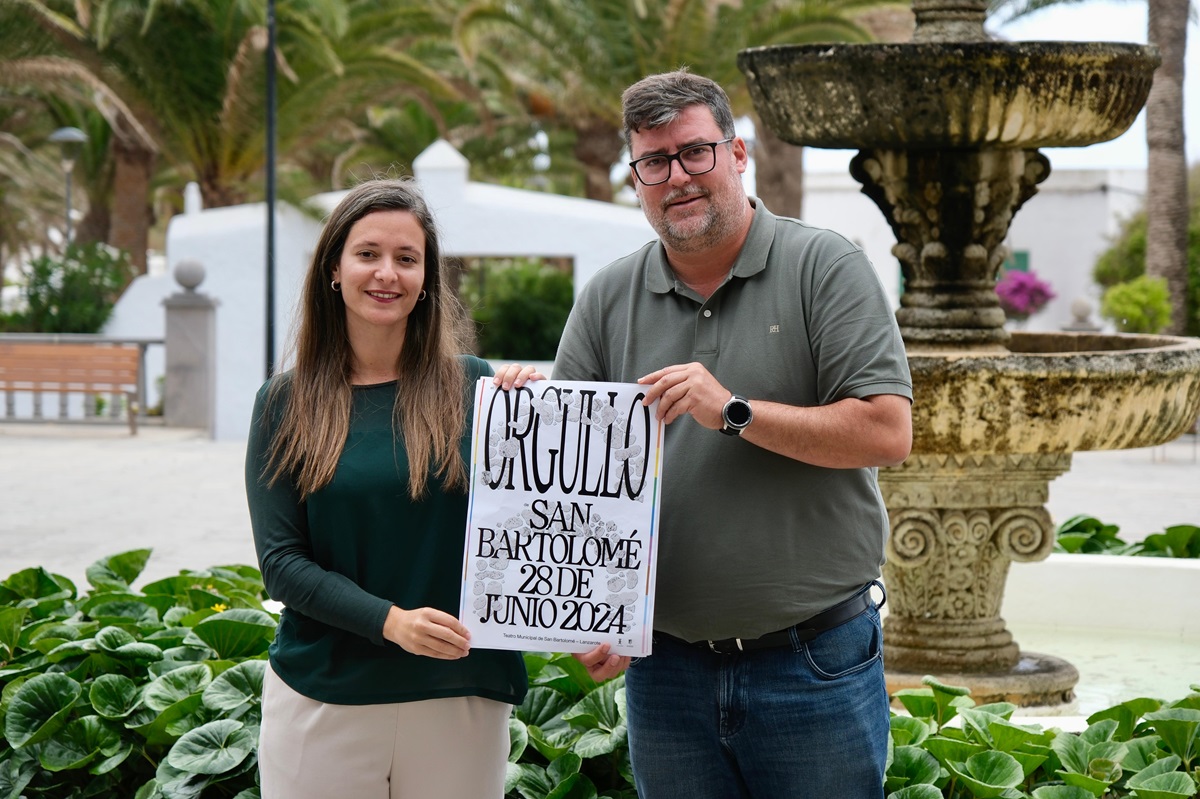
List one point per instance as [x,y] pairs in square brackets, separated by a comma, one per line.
[810,721]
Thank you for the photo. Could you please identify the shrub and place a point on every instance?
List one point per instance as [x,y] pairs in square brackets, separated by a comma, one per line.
[1143,305]
[1125,260]
[150,694]
[156,694]
[71,293]
[521,307]
[1088,535]
[1142,748]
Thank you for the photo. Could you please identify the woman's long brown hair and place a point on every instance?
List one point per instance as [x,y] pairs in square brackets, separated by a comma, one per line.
[429,410]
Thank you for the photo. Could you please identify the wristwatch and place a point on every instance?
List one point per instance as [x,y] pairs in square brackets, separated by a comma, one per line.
[736,415]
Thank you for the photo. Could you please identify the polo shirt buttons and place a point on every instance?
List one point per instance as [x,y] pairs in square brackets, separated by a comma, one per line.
[707,312]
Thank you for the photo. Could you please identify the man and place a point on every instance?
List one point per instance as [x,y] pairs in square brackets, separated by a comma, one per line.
[779,368]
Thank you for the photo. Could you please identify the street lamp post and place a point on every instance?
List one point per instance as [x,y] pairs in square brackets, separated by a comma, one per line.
[270,170]
[69,140]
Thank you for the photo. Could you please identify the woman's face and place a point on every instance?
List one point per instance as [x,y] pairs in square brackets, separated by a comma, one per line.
[382,271]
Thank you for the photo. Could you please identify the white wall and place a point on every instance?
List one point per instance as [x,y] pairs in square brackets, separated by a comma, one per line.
[230,243]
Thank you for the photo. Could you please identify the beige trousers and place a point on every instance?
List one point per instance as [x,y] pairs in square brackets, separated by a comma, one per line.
[452,748]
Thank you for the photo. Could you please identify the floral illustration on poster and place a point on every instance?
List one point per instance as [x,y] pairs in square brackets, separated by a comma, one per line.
[562,531]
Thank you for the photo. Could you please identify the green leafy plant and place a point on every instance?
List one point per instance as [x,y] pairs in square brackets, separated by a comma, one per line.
[521,306]
[568,738]
[71,293]
[151,694]
[948,748]
[1126,258]
[1143,305]
[1088,535]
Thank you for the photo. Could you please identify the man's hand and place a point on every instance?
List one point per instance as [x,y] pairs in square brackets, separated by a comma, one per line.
[687,388]
[601,665]
[427,631]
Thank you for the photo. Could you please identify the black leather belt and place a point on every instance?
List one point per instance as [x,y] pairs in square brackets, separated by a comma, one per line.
[806,630]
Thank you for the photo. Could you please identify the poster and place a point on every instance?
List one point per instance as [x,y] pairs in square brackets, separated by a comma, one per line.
[562,526]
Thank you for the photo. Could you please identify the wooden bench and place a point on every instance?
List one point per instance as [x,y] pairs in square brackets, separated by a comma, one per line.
[72,368]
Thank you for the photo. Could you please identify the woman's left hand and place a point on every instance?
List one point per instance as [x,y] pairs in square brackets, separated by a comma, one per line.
[514,375]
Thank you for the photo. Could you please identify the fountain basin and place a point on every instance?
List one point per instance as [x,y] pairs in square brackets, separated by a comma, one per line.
[949,94]
[1056,393]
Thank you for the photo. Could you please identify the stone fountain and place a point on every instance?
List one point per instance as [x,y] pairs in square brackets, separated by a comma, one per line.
[947,127]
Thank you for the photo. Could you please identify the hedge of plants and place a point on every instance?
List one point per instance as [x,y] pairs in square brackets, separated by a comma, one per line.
[1087,535]
[155,693]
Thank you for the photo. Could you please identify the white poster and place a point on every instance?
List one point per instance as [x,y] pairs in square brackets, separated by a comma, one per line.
[562,526]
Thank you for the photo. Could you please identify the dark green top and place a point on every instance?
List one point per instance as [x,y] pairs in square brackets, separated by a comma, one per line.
[340,559]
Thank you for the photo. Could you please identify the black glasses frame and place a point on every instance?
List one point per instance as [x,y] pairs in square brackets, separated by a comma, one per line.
[675,156]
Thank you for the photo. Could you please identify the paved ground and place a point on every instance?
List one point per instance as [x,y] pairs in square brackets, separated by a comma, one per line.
[70,495]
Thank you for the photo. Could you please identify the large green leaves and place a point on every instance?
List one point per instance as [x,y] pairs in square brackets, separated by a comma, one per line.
[236,687]
[40,708]
[83,741]
[118,571]
[97,690]
[237,633]
[213,748]
[1179,729]
[1160,780]
[988,774]
[114,696]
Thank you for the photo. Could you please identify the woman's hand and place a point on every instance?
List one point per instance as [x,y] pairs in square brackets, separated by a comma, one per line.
[514,375]
[427,631]
[601,665]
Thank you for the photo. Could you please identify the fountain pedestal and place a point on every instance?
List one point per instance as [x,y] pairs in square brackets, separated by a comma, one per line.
[957,522]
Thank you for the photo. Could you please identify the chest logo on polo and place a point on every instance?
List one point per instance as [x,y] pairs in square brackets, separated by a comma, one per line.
[773,329]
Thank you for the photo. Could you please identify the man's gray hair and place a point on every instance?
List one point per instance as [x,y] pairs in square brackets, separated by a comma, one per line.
[657,100]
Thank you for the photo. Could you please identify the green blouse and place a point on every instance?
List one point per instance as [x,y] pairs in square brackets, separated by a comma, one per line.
[340,559]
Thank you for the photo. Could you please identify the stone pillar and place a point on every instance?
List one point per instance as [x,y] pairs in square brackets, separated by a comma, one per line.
[190,395]
[957,522]
[950,211]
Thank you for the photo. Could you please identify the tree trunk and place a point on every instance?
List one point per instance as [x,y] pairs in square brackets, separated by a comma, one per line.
[94,225]
[1166,171]
[597,148]
[778,172]
[131,210]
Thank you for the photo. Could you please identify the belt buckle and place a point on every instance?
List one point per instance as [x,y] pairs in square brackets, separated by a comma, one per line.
[713,647]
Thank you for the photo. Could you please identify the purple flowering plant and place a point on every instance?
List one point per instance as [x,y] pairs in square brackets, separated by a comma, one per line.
[1022,294]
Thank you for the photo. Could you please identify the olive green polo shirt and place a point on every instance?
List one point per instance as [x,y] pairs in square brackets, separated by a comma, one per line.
[752,541]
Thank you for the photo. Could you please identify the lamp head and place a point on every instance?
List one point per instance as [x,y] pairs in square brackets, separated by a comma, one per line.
[70,140]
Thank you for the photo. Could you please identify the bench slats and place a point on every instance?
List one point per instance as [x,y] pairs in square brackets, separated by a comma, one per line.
[83,368]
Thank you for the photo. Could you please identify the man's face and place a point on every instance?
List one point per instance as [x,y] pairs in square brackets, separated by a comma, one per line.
[692,213]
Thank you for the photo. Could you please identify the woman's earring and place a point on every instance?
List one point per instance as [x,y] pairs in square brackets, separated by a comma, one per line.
[336,286]
[422,295]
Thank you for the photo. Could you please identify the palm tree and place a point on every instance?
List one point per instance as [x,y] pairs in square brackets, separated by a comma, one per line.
[1166,167]
[188,80]
[569,60]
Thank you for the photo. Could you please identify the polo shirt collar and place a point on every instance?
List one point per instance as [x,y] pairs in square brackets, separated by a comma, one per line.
[660,278]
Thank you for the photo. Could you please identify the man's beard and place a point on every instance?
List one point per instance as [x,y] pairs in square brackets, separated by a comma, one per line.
[693,234]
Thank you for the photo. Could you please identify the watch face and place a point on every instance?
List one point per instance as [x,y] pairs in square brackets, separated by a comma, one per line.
[737,412]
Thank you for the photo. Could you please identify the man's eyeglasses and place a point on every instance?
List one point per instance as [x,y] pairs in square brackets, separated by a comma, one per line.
[696,159]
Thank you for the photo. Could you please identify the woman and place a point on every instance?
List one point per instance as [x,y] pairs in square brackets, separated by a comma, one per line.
[356,477]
